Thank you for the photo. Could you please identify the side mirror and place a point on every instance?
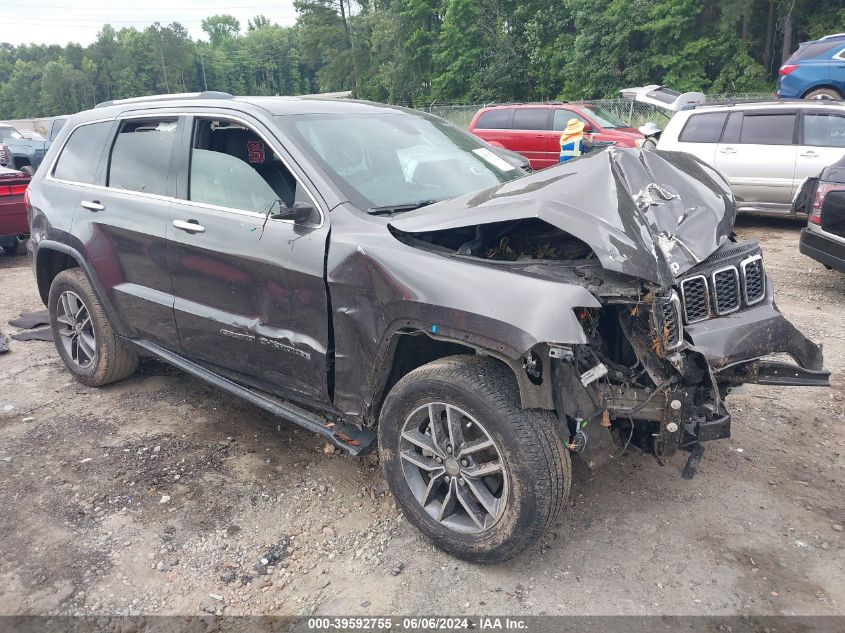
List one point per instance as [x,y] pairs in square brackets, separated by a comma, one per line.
[588,129]
[300,212]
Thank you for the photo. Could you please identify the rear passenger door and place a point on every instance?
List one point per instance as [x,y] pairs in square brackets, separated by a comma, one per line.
[532,136]
[822,143]
[124,224]
[757,156]
[250,295]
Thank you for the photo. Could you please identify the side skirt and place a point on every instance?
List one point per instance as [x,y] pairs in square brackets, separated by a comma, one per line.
[345,436]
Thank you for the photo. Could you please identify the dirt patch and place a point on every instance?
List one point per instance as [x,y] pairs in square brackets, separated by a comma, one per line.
[151,495]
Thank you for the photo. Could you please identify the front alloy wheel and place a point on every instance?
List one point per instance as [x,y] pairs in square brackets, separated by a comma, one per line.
[453,468]
[477,474]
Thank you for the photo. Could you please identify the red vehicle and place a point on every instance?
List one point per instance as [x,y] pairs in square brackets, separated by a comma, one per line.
[13,221]
[534,129]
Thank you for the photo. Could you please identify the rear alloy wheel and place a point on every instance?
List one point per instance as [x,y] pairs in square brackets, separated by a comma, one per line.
[76,330]
[83,335]
[478,475]
[823,93]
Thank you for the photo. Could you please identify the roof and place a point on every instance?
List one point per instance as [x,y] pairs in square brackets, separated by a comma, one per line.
[780,103]
[277,106]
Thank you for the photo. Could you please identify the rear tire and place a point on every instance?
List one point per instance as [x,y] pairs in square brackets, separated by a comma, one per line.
[530,468]
[86,344]
[27,169]
[823,93]
[11,249]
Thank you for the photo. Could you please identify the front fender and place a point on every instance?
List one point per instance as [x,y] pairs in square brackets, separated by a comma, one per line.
[379,286]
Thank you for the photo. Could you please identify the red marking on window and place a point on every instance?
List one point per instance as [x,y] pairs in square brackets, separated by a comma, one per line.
[255,150]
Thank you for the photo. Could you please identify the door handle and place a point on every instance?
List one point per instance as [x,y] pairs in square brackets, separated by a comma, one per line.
[191,226]
[727,150]
[93,205]
[809,154]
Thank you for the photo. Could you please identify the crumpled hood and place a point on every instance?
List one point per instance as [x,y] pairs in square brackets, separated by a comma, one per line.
[649,214]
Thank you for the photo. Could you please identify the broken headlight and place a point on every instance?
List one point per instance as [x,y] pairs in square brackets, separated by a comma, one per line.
[667,321]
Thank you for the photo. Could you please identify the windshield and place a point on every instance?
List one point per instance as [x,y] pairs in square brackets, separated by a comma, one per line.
[603,117]
[381,161]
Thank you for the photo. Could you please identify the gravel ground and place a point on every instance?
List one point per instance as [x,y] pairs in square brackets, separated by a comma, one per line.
[161,495]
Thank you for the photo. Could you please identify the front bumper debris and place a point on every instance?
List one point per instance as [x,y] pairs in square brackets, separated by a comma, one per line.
[751,335]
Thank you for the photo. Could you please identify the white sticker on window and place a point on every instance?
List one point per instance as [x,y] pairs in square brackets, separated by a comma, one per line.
[493,159]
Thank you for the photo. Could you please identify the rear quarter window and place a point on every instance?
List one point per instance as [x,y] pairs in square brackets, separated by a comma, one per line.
[813,50]
[494,120]
[81,154]
[703,128]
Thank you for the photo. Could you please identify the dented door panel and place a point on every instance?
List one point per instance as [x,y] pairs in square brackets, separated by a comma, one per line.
[250,296]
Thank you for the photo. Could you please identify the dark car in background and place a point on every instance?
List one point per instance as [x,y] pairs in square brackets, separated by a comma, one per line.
[25,152]
[14,227]
[815,71]
[823,200]
[534,129]
[381,277]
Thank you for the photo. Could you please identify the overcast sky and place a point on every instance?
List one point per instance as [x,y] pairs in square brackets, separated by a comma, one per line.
[63,21]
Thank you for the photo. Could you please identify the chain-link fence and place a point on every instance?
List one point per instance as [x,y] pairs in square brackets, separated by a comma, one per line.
[633,113]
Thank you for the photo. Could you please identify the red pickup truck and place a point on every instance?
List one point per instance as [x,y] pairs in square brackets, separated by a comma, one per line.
[534,129]
[13,221]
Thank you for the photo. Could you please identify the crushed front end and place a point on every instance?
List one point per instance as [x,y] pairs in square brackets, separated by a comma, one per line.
[686,311]
[657,368]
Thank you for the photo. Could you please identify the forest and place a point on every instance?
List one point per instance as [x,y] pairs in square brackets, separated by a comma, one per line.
[416,52]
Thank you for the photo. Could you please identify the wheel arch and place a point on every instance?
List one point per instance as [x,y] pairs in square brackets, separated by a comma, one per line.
[51,258]
[822,86]
[407,350]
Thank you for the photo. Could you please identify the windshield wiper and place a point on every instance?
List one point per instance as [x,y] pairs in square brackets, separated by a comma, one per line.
[398,208]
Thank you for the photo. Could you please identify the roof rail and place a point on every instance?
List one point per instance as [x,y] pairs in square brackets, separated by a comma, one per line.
[832,36]
[208,94]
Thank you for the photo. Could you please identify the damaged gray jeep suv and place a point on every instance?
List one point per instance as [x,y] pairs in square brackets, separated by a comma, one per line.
[380,277]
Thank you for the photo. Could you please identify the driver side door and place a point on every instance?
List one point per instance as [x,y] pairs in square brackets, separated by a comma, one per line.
[250,298]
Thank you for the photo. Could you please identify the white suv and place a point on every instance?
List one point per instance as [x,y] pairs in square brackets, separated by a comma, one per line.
[765,150]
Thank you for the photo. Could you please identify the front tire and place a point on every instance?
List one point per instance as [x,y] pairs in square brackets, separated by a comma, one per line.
[83,335]
[823,93]
[476,474]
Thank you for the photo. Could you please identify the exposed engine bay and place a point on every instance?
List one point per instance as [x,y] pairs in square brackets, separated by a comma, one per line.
[516,240]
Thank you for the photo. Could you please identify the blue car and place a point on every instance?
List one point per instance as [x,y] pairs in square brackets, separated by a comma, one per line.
[815,71]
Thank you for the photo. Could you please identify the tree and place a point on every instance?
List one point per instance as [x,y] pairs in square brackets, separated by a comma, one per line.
[258,22]
[221,28]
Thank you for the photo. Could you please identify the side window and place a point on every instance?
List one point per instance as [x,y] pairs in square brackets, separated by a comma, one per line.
[140,157]
[767,129]
[562,118]
[824,130]
[531,119]
[81,154]
[495,120]
[232,167]
[58,124]
[703,128]
[733,128]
